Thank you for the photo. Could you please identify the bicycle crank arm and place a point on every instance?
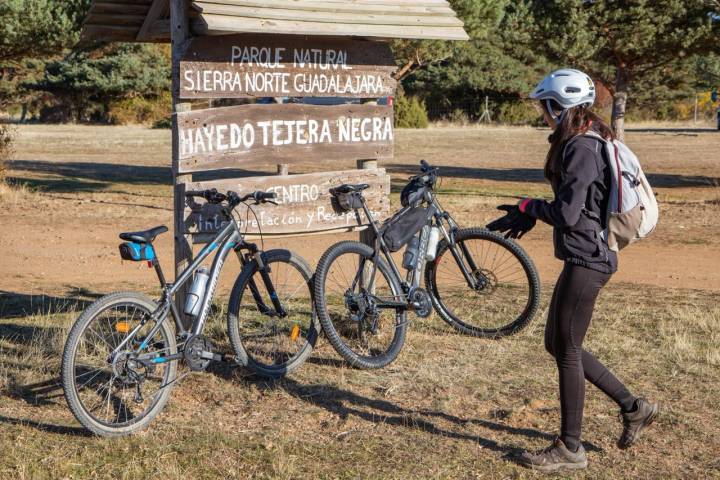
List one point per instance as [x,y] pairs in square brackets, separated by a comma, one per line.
[215,357]
[148,360]
[391,304]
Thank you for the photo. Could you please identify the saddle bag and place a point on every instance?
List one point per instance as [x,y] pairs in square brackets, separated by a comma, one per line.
[398,230]
[137,252]
[347,202]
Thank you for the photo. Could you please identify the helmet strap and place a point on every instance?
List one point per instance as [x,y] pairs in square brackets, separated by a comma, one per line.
[551,111]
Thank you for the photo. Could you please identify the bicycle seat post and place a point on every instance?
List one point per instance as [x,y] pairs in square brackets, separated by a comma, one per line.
[158,270]
[368,214]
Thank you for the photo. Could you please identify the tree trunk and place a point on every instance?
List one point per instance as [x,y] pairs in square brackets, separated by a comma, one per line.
[619,103]
[404,70]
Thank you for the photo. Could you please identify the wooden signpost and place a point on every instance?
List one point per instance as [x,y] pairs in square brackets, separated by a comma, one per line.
[289,50]
[241,136]
[244,135]
[240,66]
[304,203]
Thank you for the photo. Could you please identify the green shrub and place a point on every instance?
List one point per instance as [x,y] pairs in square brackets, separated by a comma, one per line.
[459,117]
[162,123]
[517,113]
[410,112]
[140,110]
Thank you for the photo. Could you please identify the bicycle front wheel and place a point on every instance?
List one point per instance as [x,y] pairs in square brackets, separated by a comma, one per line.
[362,331]
[271,343]
[117,395]
[505,291]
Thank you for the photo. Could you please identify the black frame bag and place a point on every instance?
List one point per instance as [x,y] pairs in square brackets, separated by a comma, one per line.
[400,228]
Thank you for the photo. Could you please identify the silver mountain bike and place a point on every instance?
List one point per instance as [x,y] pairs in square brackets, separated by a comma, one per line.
[121,356]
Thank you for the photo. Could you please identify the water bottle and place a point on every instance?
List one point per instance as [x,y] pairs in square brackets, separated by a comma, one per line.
[196,294]
[412,252]
[433,241]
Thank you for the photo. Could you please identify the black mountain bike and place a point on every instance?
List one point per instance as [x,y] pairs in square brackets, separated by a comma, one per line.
[121,356]
[479,282]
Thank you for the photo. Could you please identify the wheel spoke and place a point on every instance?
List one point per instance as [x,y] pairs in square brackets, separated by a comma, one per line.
[504,289]
[275,344]
[361,331]
[105,386]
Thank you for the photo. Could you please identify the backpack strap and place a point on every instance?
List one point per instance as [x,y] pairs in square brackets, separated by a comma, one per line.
[591,133]
[620,174]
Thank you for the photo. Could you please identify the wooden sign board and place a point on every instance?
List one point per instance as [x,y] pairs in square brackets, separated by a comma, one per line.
[244,135]
[239,66]
[304,203]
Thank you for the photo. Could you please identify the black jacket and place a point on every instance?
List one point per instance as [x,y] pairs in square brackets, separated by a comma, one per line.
[578,211]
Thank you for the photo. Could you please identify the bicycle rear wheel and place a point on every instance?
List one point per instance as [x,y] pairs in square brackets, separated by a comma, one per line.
[117,396]
[267,343]
[364,334]
[506,294]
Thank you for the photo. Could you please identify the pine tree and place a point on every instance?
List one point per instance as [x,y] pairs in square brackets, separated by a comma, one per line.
[86,78]
[34,28]
[623,43]
[498,60]
[31,33]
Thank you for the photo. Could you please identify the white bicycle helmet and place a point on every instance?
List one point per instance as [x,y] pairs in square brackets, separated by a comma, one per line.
[567,87]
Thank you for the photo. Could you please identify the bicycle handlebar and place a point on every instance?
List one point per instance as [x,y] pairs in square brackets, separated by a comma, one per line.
[260,197]
[233,199]
[429,174]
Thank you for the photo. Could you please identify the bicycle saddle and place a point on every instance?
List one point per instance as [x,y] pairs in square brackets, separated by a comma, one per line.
[146,236]
[347,188]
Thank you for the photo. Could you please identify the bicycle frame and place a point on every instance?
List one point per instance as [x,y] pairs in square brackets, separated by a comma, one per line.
[436,217]
[229,238]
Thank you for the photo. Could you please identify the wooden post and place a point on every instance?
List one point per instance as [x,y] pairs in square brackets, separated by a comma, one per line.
[179,35]
[283,169]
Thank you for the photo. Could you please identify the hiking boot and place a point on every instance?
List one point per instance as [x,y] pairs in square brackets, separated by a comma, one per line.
[555,458]
[635,421]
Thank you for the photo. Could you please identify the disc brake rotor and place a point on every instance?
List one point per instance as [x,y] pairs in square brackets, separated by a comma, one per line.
[485,281]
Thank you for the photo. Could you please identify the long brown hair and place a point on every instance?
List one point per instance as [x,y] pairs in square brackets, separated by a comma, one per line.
[574,121]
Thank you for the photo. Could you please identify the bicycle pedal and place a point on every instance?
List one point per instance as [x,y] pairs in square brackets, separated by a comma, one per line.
[229,358]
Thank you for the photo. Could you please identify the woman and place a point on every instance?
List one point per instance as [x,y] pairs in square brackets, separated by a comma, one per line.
[576,169]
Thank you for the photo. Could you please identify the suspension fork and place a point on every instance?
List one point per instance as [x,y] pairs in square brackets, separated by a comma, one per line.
[450,238]
[264,270]
[463,268]
[254,290]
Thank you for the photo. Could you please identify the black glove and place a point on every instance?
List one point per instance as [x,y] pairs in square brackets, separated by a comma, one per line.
[514,224]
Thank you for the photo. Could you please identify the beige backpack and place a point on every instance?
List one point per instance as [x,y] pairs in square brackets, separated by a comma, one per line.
[632,212]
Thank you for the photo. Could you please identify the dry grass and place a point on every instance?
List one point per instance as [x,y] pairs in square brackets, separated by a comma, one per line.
[12,196]
[449,407]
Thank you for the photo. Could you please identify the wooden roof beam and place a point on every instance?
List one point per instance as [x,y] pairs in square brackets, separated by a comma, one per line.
[211,24]
[157,9]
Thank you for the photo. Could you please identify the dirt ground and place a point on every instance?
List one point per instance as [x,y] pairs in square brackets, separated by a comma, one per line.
[90,183]
[450,406]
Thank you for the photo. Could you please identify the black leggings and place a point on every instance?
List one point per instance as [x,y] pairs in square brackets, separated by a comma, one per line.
[569,317]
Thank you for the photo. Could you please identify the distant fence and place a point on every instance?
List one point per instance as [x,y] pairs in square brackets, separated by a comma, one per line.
[508,110]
